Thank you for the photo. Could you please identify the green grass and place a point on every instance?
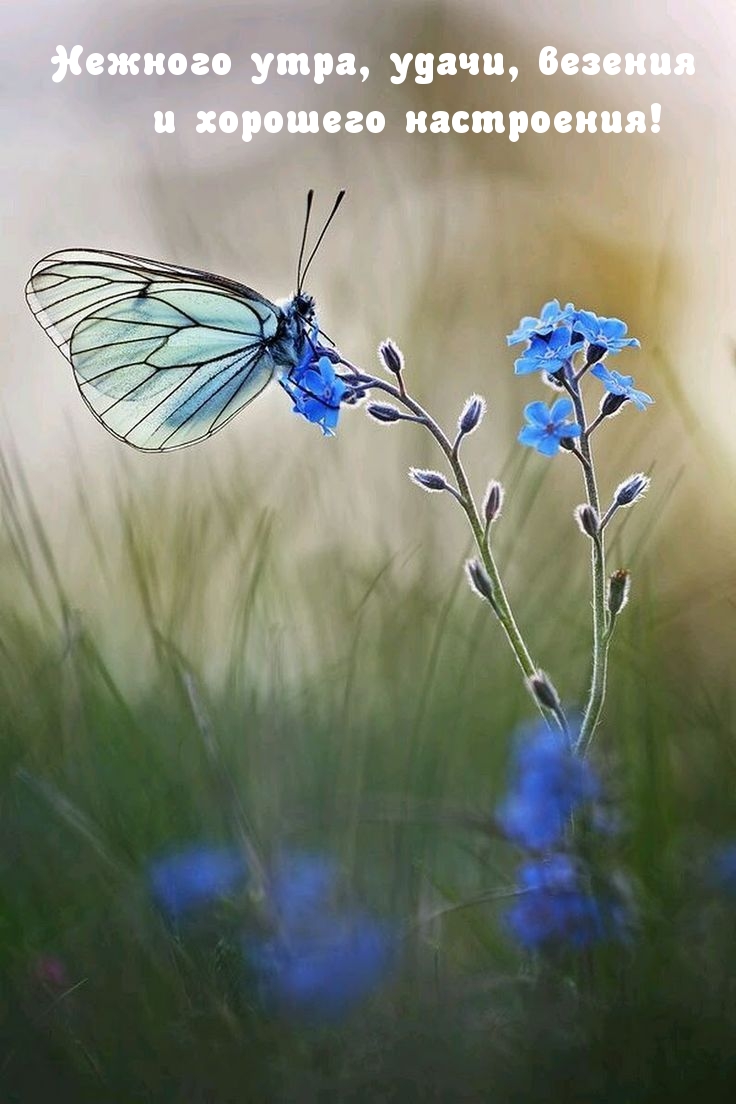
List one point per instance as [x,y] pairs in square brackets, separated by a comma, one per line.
[187,675]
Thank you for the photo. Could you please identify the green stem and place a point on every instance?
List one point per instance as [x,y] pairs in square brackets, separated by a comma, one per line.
[601,635]
[501,604]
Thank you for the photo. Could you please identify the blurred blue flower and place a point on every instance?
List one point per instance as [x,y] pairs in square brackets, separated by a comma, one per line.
[300,886]
[550,316]
[548,783]
[722,867]
[621,386]
[187,879]
[319,961]
[547,354]
[317,392]
[604,335]
[556,907]
[323,971]
[548,427]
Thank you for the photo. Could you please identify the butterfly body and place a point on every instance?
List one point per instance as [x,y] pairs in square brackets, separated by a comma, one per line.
[165,356]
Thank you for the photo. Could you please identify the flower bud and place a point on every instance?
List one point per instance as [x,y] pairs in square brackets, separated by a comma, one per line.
[383,412]
[479,580]
[588,520]
[594,353]
[619,586]
[493,501]
[611,404]
[391,356]
[473,411]
[543,691]
[631,489]
[556,379]
[429,480]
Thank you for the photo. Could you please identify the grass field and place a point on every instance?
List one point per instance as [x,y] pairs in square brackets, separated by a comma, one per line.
[181,678]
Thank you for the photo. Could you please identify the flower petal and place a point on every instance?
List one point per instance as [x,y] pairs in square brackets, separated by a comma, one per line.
[562,409]
[569,429]
[531,435]
[548,445]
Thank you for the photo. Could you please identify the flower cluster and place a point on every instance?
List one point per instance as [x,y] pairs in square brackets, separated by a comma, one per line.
[553,342]
[557,904]
[320,960]
[316,389]
[548,784]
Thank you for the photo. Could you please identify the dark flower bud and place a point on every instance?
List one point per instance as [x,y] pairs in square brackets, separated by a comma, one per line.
[631,489]
[612,404]
[473,411]
[429,480]
[588,520]
[332,355]
[493,503]
[479,580]
[354,396]
[619,586]
[567,443]
[594,353]
[383,412]
[543,691]
[556,379]
[391,356]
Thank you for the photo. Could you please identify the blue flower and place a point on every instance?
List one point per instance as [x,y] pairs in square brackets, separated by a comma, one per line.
[301,885]
[549,318]
[184,880]
[548,783]
[722,868]
[323,971]
[621,386]
[319,961]
[548,427]
[556,907]
[547,354]
[317,392]
[604,335]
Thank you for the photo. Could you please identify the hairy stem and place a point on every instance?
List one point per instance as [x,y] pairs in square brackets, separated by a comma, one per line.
[501,605]
[601,635]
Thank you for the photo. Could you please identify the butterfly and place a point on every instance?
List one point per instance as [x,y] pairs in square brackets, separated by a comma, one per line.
[165,356]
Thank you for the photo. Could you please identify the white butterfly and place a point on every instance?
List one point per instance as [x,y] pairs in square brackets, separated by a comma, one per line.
[165,356]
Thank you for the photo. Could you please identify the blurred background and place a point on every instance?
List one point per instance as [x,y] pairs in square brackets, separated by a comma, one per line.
[361,701]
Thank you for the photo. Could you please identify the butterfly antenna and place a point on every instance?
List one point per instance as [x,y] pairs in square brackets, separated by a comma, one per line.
[310,198]
[325,228]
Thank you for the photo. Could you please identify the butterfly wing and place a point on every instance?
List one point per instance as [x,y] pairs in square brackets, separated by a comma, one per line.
[163,356]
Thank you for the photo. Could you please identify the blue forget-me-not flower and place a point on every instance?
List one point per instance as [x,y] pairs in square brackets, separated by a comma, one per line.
[301,884]
[319,961]
[722,867]
[621,386]
[317,392]
[548,426]
[557,907]
[185,880]
[323,970]
[548,783]
[547,354]
[605,336]
[550,316]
